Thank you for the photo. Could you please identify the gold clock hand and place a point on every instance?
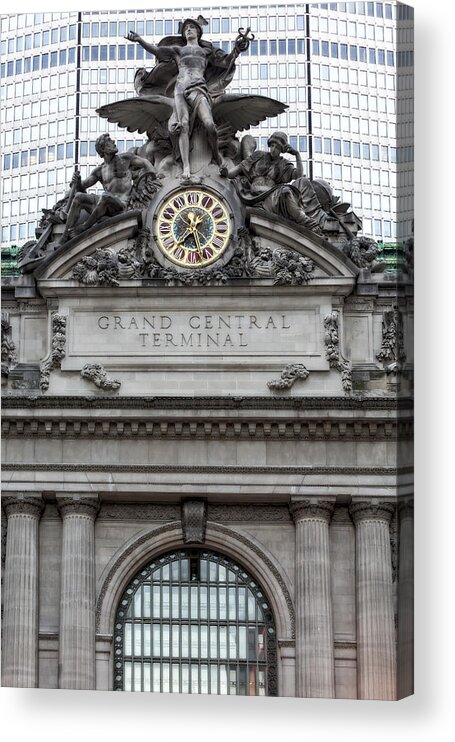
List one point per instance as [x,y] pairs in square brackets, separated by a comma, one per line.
[198,244]
[185,235]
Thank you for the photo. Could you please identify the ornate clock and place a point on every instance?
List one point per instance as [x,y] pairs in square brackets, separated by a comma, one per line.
[193,227]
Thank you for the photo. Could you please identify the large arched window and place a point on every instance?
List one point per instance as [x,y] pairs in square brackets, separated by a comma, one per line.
[192,621]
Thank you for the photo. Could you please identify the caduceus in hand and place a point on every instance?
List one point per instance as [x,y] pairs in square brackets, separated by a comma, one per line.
[191,97]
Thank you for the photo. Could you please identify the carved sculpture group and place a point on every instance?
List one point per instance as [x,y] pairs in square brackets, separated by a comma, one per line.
[192,126]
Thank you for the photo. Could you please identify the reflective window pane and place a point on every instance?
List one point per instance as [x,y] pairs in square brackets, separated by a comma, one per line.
[193,622]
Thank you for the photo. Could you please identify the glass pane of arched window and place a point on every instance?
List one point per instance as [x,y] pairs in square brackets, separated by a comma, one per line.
[194,622]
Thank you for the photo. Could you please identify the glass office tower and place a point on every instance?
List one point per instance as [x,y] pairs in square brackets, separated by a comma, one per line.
[344,69]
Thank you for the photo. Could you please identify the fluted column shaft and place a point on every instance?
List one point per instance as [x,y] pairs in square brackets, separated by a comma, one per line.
[77,595]
[376,665]
[405,658]
[20,592]
[315,673]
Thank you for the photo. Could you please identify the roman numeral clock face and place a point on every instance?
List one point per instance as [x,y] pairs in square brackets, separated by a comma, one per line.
[193,228]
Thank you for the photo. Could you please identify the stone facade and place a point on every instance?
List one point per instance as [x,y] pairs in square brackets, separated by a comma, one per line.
[207,357]
[299,483]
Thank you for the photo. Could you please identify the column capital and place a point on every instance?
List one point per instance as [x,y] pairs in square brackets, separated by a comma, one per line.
[23,505]
[312,509]
[372,510]
[78,505]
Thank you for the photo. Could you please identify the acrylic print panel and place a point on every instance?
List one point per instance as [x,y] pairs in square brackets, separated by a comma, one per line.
[207,358]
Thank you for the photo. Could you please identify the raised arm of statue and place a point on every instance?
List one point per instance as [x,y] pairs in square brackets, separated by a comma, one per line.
[152,48]
[298,170]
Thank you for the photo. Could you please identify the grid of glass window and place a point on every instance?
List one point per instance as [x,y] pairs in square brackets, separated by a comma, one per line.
[195,622]
[349,84]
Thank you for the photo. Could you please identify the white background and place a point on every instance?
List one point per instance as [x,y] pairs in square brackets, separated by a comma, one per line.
[76,715]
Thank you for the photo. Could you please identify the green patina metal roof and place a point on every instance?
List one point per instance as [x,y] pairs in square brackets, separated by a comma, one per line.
[393,254]
[9,261]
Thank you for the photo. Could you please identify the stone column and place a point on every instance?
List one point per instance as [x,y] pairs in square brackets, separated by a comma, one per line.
[376,666]
[77,595]
[20,592]
[405,658]
[314,631]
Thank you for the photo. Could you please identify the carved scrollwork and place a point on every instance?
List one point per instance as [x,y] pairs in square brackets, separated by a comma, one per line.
[333,354]
[96,373]
[290,374]
[57,354]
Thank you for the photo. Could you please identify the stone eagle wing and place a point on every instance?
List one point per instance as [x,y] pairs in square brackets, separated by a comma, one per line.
[138,114]
[243,111]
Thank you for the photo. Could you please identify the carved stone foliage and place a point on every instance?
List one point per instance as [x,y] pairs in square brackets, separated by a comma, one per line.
[194,521]
[290,374]
[100,269]
[312,509]
[87,506]
[96,373]
[363,251]
[284,266]
[333,354]
[57,354]
[249,260]
[371,510]
[23,505]
[392,353]
[8,347]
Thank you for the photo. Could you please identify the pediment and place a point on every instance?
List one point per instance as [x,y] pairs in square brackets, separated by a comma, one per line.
[331,269]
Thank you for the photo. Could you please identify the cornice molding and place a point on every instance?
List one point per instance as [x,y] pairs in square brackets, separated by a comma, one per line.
[245,428]
[353,402]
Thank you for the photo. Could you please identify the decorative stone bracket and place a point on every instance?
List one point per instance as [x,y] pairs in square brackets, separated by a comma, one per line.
[289,375]
[333,353]
[194,521]
[57,354]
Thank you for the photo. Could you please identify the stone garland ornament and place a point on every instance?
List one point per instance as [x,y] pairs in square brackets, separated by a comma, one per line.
[290,374]
[8,347]
[363,251]
[332,344]
[249,260]
[57,354]
[100,269]
[96,373]
[284,266]
[392,353]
